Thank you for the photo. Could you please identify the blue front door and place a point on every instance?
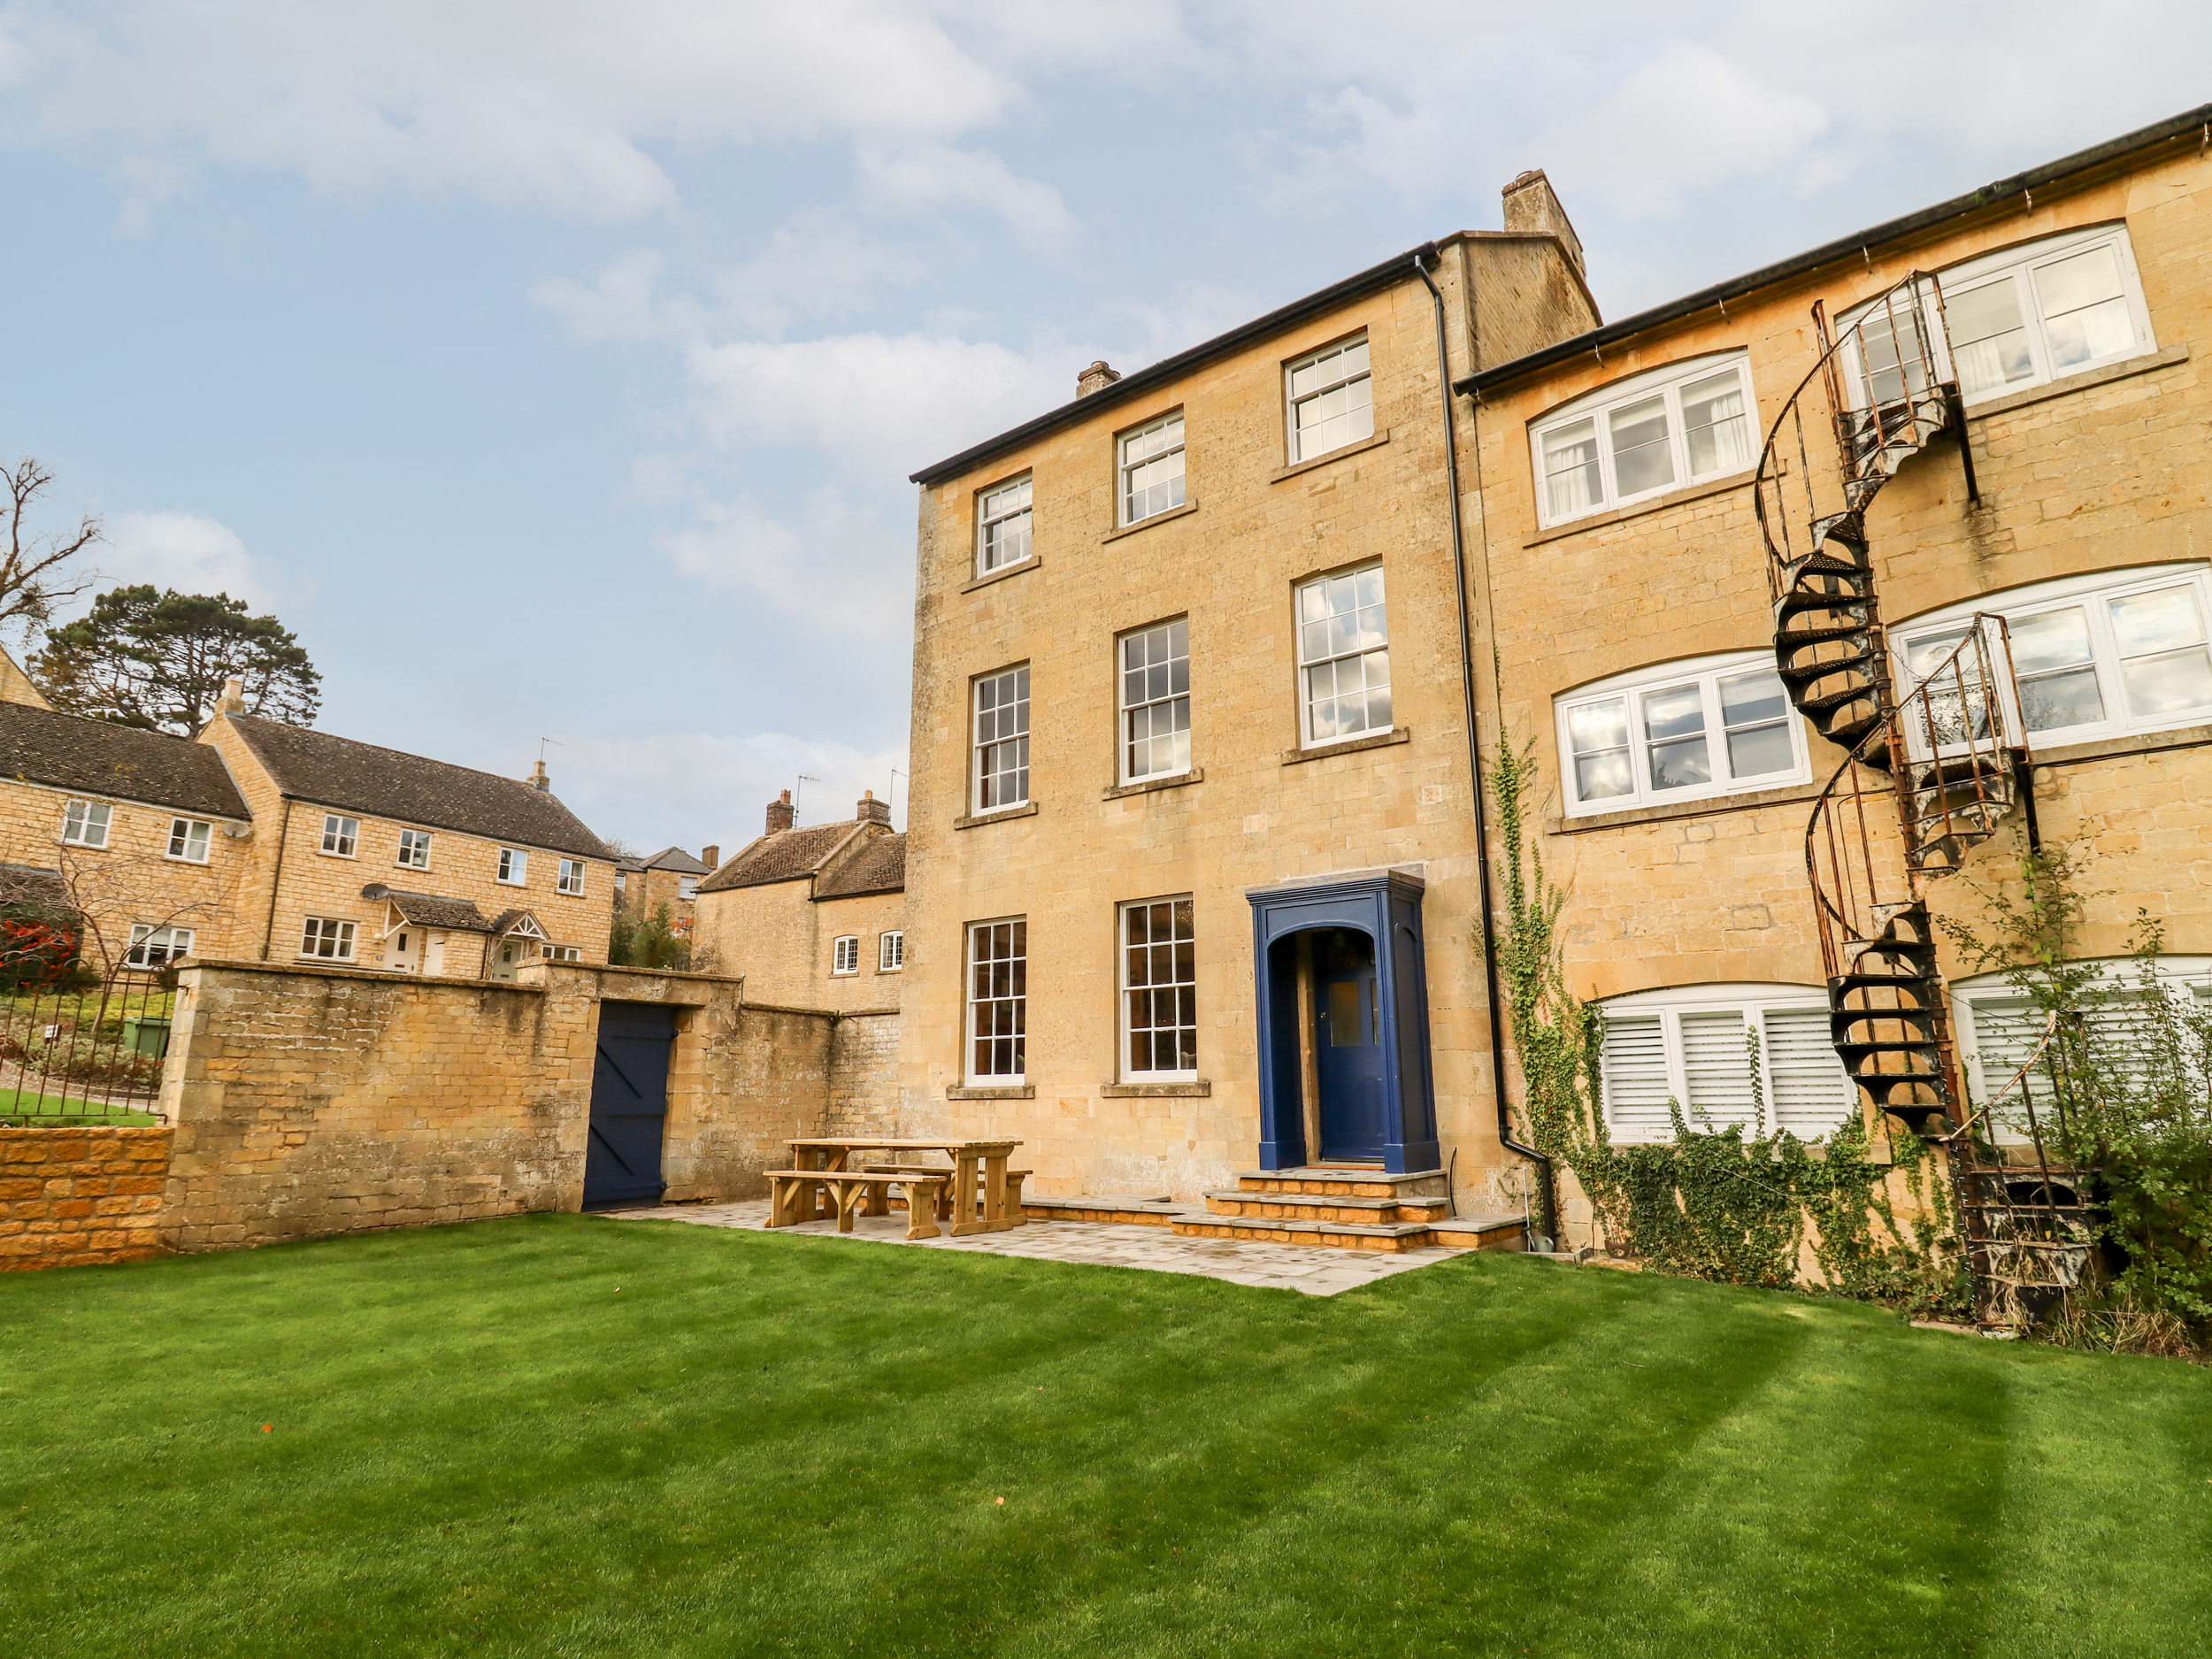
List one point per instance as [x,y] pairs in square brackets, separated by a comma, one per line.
[1348,1046]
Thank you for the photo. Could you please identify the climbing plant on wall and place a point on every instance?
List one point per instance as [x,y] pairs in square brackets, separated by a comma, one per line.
[1740,1203]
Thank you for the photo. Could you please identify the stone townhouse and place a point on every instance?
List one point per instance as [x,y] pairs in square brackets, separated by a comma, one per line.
[670,877]
[1194,876]
[812,917]
[2010,421]
[259,840]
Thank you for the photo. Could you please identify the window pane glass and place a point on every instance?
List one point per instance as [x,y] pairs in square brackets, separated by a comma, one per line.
[1570,469]
[1677,712]
[1601,776]
[1598,725]
[1642,458]
[1715,425]
[2054,639]
[1989,343]
[2157,621]
[1680,763]
[2085,311]
[2160,684]
[2049,702]
[1758,695]
[1755,750]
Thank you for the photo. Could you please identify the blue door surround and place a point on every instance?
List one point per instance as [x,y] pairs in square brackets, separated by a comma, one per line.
[1385,905]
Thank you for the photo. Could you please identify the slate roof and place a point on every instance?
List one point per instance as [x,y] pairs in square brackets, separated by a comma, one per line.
[677,859]
[431,909]
[67,752]
[877,867]
[310,765]
[784,856]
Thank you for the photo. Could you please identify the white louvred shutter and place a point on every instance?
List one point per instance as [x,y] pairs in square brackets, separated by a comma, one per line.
[2007,1030]
[1809,1093]
[1633,1068]
[1718,1068]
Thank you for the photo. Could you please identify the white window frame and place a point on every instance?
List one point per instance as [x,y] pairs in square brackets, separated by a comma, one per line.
[687,886]
[999,519]
[571,878]
[1315,652]
[979,747]
[191,840]
[891,951]
[1599,407]
[336,932]
[157,946]
[513,868]
[1134,453]
[87,824]
[844,956]
[1630,689]
[2018,265]
[1357,382]
[2092,593]
[1175,985]
[341,836]
[561,953]
[1753,1002]
[2186,979]
[414,849]
[1016,999]
[1172,697]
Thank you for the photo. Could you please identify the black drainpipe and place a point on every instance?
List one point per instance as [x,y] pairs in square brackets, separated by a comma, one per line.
[1422,259]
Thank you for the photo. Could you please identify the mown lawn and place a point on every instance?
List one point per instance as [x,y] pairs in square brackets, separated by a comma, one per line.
[562,1435]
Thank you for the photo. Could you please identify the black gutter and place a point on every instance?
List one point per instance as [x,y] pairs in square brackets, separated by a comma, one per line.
[1421,259]
[1387,275]
[2196,122]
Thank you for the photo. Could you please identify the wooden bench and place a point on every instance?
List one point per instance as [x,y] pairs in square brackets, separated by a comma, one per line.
[794,1196]
[1014,1179]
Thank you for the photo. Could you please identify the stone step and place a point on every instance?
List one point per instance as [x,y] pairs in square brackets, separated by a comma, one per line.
[1304,1206]
[1347,1181]
[1481,1232]
[1343,1235]
[1144,1210]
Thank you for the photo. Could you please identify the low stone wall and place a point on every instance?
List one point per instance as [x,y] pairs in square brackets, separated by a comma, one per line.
[863,1097]
[75,1197]
[313,1100]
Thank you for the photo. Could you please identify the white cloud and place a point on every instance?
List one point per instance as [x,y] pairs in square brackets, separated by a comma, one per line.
[839,566]
[621,302]
[920,174]
[188,551]
[550,103]
[688,790]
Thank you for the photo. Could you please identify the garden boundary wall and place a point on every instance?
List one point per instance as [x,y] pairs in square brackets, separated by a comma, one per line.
[308,1100]
[75,1197]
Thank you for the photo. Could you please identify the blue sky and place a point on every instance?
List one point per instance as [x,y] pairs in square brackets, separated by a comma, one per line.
[555,369]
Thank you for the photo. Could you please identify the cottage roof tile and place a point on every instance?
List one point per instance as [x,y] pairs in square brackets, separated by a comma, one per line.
[64,751]
[785,855]
[877,867]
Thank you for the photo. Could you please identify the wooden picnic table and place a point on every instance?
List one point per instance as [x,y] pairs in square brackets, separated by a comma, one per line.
[979,1168]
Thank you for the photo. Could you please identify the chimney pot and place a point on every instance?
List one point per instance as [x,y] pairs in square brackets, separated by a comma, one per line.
[780,813]
[873,811]
[1532,206]
[1097,378]
[710,856]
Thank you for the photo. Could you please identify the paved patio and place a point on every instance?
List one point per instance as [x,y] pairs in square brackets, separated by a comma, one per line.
[1314,1270]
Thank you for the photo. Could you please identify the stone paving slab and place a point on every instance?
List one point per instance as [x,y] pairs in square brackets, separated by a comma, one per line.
[1311,1269]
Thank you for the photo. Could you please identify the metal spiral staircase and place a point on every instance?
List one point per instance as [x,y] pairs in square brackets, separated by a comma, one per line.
[1942,763]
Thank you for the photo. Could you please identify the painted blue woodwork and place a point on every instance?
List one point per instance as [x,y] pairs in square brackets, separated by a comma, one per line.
[1348,1045]
[1385,906]
[629,1104]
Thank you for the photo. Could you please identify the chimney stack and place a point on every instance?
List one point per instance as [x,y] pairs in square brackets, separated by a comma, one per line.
[233,698]
[710,856]
[1533,207]
[1097,378]
[873,811]
[780,813]
[538,779]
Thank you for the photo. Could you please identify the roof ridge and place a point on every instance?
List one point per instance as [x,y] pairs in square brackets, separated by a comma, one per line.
[384,749]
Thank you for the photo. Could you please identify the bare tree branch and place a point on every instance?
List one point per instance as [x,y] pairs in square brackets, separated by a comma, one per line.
[35,576]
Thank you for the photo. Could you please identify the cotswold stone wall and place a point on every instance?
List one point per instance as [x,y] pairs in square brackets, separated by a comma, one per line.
[864,1076]
[308,1102]
[73,1197]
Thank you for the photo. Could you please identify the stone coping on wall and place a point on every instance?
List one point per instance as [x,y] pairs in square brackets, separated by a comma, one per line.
[533,986]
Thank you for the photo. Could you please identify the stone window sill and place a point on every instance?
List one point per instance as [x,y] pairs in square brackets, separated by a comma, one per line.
[1350,746]
[1296,467]
[2120,747]
[2082,382]
[1669,809]
[1183,512]
[1029,563]
[1024,810]
[1022,1091]
[1196,774]
[1199,1090]
[1620,515]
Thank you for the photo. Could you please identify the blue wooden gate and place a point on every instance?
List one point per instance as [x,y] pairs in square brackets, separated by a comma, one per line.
[629,1105]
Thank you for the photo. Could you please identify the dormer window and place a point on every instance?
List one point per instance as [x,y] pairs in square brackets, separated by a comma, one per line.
[1685,423]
